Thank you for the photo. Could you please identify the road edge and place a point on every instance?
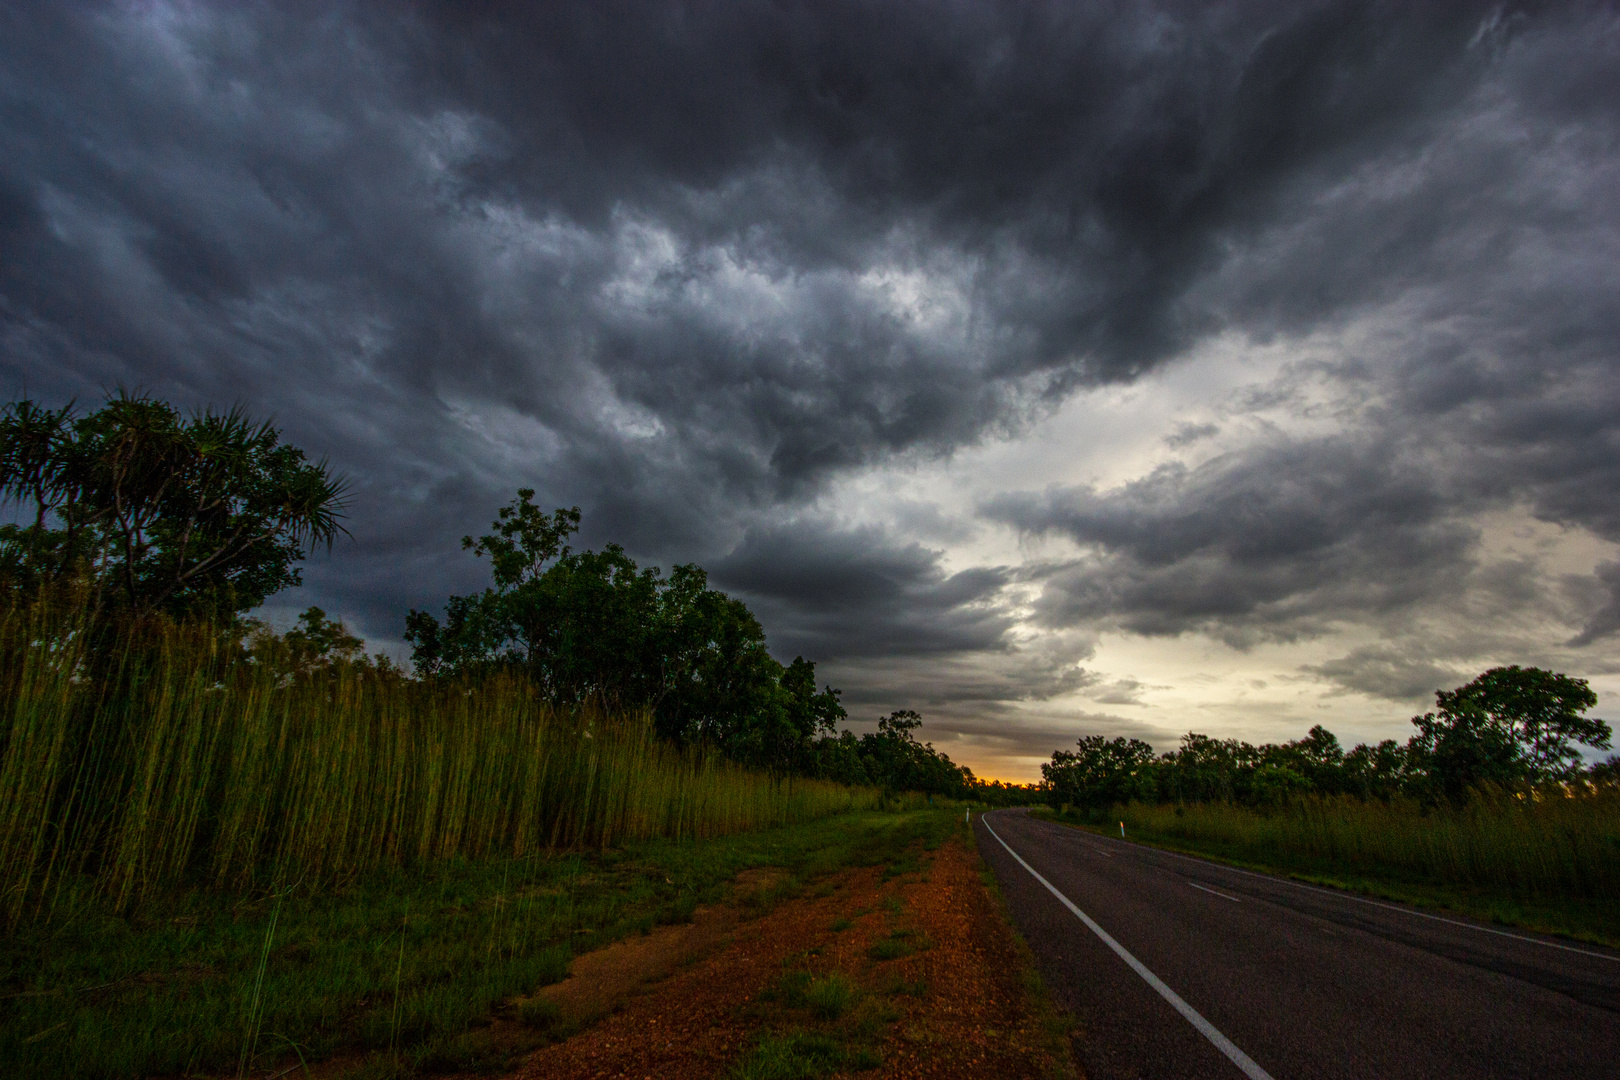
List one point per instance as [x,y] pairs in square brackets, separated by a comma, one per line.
[1058,1028]
[1392,892]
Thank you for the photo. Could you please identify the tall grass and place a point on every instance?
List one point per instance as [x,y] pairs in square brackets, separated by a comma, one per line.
[1551,847]
[177,762]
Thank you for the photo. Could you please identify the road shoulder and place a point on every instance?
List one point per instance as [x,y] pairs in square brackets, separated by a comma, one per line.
[909,971]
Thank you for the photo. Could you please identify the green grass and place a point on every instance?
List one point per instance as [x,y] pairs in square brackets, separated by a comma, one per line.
[401,963]
[1549,864]
[814,1025]
[898,944]
[177,763]
[830,997]
[207,864]
[799,1055]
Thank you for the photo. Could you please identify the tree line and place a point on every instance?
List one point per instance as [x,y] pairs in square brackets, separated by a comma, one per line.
[594,626]
[1512,729]
[146,512]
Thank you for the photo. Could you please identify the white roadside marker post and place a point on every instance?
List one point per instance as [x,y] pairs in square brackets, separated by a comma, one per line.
[1122,830]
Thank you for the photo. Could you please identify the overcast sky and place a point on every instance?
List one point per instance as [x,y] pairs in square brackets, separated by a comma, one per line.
[1052,369]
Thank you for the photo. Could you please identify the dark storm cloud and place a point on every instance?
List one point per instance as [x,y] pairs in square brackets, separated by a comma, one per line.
[1383,672]
[848,594]
[1272,543]
[1605,621]
[1471,279]
[686,264]
[1012,746]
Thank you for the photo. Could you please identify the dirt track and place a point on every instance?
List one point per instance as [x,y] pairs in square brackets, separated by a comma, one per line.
[690,1001]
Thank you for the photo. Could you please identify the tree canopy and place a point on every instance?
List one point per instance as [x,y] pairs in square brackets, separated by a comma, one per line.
[204,514]
[592,625]
[1510,729]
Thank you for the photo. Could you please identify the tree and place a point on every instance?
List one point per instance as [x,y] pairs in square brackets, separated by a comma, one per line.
[317,642]
[1455,753]
[1205,769]
[1098,773]
[593,626]
[1375,771]
[896,760]
[1318,758]
[313,648]
[206,514]
[1509,727]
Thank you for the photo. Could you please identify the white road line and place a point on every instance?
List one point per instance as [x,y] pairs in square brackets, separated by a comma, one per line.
[1338,894]
[1212,892]
[1222,1043]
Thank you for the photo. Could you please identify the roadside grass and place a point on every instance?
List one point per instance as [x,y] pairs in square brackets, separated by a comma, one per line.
[796,1055]
[142,758]
[1057,1030]
[897,944]
[814,1025]
[1550,865]
[400,968]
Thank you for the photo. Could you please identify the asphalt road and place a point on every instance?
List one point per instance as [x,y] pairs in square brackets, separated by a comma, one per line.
[1295,981]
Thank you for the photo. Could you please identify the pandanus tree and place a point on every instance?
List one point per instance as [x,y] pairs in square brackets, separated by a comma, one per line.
[203,514]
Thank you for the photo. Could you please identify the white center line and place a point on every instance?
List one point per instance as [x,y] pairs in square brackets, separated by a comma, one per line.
[1222,1043]
[1212,892]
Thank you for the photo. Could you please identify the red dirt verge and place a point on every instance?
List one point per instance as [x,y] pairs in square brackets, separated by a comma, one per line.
[914,976]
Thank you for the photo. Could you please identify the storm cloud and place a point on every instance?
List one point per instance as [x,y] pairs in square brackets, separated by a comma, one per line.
[756,285]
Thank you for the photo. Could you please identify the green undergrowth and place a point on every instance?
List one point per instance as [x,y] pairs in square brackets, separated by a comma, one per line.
[814,1021]
[143,757]
[403,966]
[813,1025]
[1459,861]
[797,1054]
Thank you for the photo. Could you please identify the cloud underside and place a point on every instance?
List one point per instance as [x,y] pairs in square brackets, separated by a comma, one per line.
[693,268]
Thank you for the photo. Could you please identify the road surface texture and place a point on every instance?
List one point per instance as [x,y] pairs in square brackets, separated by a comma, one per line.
[1209,971]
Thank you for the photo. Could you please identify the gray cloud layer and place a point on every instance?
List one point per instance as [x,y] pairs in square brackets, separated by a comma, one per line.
[687,264]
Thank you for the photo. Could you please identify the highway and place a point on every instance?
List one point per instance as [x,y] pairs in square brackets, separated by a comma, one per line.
[1179,967]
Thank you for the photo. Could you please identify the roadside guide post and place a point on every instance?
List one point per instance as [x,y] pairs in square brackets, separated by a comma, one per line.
[1122,830]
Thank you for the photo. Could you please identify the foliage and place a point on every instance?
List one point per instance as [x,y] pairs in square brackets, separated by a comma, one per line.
[1511,729]
[161,993]
[187,762]
[1547,862]
[1100,774]
[592,626]
[316,645]
[201,515]
[892,758]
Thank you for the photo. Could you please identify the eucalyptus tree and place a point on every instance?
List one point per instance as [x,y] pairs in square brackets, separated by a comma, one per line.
[594,626]
[1510,727]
